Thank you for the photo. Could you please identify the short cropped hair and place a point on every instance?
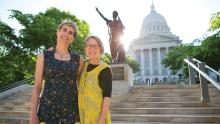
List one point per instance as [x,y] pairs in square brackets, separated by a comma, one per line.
[69,23]
[99,41]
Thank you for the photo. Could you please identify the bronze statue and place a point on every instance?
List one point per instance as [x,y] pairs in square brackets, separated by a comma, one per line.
[115,30]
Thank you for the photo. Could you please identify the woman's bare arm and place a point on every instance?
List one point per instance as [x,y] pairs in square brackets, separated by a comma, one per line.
[105,109]
[80,69]
[37,88]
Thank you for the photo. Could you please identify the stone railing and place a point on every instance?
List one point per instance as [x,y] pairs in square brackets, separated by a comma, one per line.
[16,84]
[201,68]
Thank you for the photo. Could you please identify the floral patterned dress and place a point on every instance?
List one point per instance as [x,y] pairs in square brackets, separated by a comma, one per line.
[59,100]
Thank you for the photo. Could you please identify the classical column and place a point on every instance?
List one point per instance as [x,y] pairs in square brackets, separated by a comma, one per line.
[150,62]
[168,71]
[159,61]
[142,62]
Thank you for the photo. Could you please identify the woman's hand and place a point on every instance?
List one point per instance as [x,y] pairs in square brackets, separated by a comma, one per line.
[34,119]
[101,121]
[51,48]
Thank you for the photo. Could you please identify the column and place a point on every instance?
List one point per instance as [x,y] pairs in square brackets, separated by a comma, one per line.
[142,62]
[151,65]
[159,61]
[168,71]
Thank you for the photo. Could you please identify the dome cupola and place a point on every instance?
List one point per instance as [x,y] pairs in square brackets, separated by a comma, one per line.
[154,23]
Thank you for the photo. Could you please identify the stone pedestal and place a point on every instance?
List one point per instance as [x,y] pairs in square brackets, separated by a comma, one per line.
[122,76]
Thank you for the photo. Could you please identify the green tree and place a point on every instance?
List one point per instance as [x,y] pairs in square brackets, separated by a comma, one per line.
[133,64]
[174,60]
[210,51]
[215,22]
[18,52]
[210,47]
[41,29]
[106,57]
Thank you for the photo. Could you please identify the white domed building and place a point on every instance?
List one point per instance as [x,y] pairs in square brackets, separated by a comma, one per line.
[154,41]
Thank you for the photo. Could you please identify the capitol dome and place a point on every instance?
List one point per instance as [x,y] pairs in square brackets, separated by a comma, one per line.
[154,23]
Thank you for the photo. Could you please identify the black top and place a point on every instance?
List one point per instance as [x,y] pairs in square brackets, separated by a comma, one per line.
[105,79]
[59,100]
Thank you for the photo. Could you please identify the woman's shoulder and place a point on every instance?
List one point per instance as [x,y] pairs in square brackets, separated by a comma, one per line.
[106,71]
[75,56]
[47,52]
[74,53]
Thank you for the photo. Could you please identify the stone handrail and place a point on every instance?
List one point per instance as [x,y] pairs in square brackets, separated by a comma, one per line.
[203,77]
[208,67]
[18,83]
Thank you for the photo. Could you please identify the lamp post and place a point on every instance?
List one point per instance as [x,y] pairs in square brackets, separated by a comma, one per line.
[180,75]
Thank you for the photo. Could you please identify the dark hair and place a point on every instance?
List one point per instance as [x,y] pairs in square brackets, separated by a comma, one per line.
[115,12]
[69,23]
[99,41]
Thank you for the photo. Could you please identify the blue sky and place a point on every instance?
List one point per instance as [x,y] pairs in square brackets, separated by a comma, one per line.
[188,19]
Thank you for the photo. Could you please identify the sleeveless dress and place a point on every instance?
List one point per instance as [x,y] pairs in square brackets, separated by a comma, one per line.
[90,96]
[59,100]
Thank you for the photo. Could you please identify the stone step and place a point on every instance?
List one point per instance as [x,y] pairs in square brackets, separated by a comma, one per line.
[14,113]
[26,93]
[170,94]
[123,122]
[15,103]
[17,100]
[192,110]
[168,91]
[25,120]
[163,104]
[150,89]
[20,95]
[140,119]
[189,118]
[14,120]
[160,99]
[15,108]
[172,86]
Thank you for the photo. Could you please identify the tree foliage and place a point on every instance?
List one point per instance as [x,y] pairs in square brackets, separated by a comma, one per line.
[106,57]
[174,60]
[18,51]
[133,64]
[215,22]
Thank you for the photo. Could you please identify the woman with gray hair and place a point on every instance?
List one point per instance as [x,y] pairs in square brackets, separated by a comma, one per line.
[59,68]
[95,86]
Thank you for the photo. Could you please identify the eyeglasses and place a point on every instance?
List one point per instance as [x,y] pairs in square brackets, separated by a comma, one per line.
[90,46]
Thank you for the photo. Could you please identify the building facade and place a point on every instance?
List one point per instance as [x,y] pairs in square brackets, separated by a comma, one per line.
[154,41]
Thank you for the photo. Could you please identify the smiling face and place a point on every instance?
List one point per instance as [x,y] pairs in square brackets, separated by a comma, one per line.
[92,49]
[65,35]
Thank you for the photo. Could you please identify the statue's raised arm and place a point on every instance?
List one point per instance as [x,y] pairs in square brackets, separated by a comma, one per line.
[107,20]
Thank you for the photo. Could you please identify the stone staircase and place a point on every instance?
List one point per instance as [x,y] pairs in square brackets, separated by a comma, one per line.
[166,104]
[158,104]
[15,105]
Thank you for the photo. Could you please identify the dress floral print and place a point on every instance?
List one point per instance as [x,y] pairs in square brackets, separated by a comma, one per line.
[59,100]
